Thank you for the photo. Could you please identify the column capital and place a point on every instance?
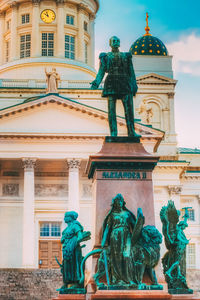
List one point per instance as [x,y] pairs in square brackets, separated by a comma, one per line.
[171,95]
[60,2]
[81,7]
[2,14]
[29,163]
[36,2]
[73,163]
[13,4]
[174,189]
[92,17]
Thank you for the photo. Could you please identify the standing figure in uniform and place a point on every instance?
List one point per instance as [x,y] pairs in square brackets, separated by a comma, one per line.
[119,84]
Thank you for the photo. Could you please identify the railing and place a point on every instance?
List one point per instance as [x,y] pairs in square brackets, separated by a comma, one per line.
[41,84]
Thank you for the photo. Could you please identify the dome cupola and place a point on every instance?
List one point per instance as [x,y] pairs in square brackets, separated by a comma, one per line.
[148,44]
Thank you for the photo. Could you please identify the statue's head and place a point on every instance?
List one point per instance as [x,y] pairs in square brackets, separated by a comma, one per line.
[118,202]
[114,42]
[70,216]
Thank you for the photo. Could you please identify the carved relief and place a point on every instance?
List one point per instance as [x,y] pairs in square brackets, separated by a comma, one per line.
[51,190]
[174,189]
[146,113]
[11,189]
[86,191]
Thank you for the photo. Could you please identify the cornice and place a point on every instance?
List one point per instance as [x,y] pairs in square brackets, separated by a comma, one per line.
[149,79]
[34,136]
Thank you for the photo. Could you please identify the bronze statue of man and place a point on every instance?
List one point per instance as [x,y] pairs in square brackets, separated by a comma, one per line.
[119,84]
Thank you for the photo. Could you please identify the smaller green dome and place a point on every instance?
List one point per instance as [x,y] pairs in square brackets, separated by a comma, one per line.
[148,45]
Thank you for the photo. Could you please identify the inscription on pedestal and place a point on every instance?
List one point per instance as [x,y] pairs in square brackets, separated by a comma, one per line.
[126,175]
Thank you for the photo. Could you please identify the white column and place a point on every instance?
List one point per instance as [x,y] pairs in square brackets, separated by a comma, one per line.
[60,29]
[80,36]
[28,258]
[172,121]
[13,33]
[73,183]
[35,34]
[92,42]
[1,37]
[166,120]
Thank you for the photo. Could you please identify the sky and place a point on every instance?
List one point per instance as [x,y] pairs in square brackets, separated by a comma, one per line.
[176,23]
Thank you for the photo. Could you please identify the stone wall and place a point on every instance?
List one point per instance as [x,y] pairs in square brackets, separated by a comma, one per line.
[29,284]
[23,284]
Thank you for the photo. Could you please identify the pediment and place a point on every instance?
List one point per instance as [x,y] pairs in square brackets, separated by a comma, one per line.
[53,115]
[153,78]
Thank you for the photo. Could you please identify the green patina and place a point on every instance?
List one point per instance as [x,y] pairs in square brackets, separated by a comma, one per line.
[174,260]
[128,248]
[120,83]
[124,175]
[71,238]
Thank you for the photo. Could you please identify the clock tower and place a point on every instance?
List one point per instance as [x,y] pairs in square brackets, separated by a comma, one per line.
[39,33]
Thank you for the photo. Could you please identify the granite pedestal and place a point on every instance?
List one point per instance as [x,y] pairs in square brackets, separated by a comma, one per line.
[70,297]
[122,166]
[121,294]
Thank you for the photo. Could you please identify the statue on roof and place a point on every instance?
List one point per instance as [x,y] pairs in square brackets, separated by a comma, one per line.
[52,79]
[120,83]
[174,260]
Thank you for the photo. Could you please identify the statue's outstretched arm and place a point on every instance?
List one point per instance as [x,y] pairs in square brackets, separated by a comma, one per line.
[100,75]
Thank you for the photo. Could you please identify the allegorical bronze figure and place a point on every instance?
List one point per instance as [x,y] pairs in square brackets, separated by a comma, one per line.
[174,260]
[128,250]
[72,236]
[119,84]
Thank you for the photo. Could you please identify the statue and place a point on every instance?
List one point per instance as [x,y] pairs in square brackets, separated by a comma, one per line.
[146,113]
[71,238]
[52,79]
[174,261]
[119,84]
[128,250]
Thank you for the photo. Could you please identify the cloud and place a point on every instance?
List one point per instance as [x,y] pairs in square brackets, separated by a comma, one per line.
[186,54]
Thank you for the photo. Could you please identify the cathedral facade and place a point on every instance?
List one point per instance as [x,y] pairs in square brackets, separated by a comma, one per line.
[47,135]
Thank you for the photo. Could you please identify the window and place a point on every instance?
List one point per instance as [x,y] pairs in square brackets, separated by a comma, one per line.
[191,256]
[86,53]
[190,212]
[69,46]
[47,44]
[85,26]
[25,18]
[8,24]
[70,20]
[7,51]
[25,45]
[50,229]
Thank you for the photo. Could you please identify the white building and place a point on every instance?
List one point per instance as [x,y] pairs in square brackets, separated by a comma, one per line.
[46,139]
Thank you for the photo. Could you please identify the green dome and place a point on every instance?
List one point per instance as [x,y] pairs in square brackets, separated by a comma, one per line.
[148,45]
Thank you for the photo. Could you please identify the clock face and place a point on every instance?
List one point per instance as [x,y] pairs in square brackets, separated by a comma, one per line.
[48,15]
